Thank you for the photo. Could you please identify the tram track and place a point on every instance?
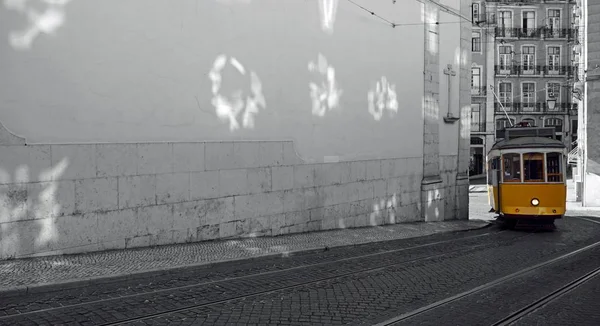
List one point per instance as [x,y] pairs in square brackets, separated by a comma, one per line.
[367,263]
[515,316]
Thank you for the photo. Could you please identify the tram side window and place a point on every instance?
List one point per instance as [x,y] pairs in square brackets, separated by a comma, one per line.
[554,166]
[512,167]
[493,167]
[533,167]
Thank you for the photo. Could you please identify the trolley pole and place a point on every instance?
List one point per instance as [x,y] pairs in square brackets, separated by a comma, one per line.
[502,106]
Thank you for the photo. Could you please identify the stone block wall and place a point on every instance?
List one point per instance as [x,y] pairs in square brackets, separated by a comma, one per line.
[87,197]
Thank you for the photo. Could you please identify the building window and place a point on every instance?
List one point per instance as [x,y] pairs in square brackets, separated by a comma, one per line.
[505,20]
[553,59]
[505,93]
[475,13]
[503,123]
[505,57]
[528,57]
[505,24]
[476,117]
[554,22]
[475,80]
[529,122]
[476,141]
[554,122]
[528,20]
[476,42]
[553,91]
[528,96]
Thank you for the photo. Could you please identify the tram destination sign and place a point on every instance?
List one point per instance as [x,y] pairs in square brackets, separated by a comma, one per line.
[511,133]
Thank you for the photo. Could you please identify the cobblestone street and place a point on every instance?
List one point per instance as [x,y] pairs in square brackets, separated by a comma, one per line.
[388,282]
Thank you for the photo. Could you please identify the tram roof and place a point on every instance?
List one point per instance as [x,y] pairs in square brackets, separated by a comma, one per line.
[529,142]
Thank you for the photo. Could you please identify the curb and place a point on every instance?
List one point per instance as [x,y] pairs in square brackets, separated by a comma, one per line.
[107,279]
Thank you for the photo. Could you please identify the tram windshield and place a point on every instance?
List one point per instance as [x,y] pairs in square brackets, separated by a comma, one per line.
[533,167]
[536,167]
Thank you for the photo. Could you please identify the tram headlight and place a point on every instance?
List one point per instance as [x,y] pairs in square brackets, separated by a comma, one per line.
[535,202]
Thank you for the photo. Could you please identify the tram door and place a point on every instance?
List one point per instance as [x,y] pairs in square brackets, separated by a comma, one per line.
[493,178]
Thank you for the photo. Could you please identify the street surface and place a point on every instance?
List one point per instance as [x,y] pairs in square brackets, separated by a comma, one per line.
[489,276]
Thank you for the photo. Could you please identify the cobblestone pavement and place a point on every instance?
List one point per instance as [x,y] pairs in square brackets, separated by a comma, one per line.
[495,304]
[23,273]
[346,285]
[578,307]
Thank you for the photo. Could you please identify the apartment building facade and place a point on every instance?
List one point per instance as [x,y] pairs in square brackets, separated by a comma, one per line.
[523,70]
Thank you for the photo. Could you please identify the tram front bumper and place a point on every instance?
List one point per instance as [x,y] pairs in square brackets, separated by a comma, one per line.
[534,212]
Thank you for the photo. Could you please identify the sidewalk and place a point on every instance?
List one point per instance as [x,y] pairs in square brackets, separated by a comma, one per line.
[478,188]
[53,272]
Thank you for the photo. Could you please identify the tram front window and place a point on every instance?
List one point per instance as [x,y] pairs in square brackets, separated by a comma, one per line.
[533,167]
[512,167]
[554,166]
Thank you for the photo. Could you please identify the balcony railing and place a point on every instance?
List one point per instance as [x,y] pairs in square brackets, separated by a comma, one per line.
[524,70]
[506,32]
[534,107]
[506,69]
[528,33]
[478,90]
[530,1]
[559,70]
[518,1]
[569,33]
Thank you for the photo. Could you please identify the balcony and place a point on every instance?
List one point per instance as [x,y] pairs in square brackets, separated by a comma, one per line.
[530,1]
[559,70]
[506,32]
[506,69]
[519,1]
[559,108]
[531,33]
[478,90]
[567,33]
[534,108]
[509,107]
[521,70]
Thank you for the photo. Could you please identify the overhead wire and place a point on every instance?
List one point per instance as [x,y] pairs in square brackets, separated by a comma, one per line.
[395,24]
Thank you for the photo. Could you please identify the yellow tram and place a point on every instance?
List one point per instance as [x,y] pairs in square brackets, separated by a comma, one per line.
[526,177]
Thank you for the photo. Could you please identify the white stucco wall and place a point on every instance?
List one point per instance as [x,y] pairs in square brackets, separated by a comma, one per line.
[126,146]
[138,70]
[450,54]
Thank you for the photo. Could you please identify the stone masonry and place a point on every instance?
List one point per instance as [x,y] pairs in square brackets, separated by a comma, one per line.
[464,137]
[432,187]
[89,197]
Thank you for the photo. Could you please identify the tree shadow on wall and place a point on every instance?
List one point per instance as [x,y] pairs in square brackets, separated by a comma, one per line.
[43,17]
[28,209]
